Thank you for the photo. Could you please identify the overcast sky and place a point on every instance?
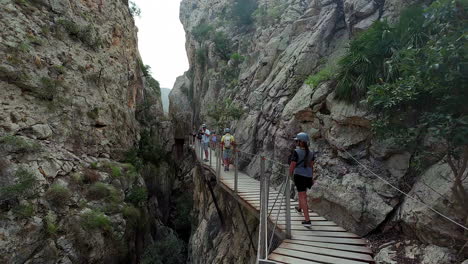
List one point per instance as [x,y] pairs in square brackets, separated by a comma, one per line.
[161,39]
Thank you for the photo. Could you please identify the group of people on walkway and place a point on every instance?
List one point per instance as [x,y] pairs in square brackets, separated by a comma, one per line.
[210,139]
[301,161]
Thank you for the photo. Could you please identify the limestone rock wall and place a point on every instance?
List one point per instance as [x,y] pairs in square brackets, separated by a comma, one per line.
[290,41]
[72,101]
[69,73]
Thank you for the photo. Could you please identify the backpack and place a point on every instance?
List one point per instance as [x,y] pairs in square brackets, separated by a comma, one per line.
[290,157]
[227,142]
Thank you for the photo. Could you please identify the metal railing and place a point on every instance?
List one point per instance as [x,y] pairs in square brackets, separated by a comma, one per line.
[265,238]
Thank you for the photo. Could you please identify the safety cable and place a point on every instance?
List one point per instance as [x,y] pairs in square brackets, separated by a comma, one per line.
[407,195]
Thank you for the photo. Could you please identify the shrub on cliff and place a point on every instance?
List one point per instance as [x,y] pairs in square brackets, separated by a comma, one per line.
[267,15]
[222,45]
[99,191]
[18,144]
[135,11]
[202,31]
[169,249]
[242,10]
[137,196]
[58,195]
[95,220]
[201,55]
[224,112]
[23,188]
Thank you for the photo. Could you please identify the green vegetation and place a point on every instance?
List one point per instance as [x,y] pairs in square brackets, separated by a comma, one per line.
[242,11]
[88,35]
[201,55]
[50,225]
[202,32]
[167,250]
[145,69]
[18,144]
[94,165]
[23,47]
[116,172]
[412,73]
[132,215]
[77,178]
[149,80]
[137,196]
[324,74]
[413,76]
[237,58]
[224,112]
[58,195]
[135,11]
[266,16]
[99,191]
[48,89]
[154,85]
[93,220]
[25,186]
[222,45]
[183,219]
[93,114]
[23,210]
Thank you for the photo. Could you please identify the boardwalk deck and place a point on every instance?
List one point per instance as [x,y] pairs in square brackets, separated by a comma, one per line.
[323,242]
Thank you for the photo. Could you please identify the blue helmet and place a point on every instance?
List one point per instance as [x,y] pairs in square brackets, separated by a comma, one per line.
[304,137]
[227,130]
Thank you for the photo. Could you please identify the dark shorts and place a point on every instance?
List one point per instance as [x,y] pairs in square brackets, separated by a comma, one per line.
[302,183]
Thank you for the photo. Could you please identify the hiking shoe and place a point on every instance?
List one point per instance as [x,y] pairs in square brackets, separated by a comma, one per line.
[225,169]
[307,223]
[206,160]
[299,210]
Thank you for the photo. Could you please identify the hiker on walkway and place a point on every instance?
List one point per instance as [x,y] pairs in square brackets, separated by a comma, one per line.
[205,140]
[302,164]
[227,144]
[213,140]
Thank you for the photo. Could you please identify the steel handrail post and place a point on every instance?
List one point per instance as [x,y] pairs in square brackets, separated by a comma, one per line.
[236,170]
[264,210]
[210,156]
[287,196]
[267,198]
[261,236]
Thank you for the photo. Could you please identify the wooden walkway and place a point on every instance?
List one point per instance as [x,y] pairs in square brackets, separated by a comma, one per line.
[324,242]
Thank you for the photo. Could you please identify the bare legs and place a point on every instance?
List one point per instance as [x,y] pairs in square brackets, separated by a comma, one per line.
[303,205]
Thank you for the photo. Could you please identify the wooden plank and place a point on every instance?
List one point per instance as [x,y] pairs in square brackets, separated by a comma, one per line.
[299,219]
[325,234]
[315,228]
[332,246]
[316,223]
[315,257]
[348,241]
[328,252]
[291,260]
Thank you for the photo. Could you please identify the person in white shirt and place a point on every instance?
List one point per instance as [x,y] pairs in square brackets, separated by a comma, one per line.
[205,140]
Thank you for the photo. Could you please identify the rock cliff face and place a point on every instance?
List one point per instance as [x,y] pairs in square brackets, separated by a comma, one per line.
[220,236]
[73,101]
[261,63]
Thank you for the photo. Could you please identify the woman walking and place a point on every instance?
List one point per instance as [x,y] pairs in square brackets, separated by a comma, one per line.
[302,163]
